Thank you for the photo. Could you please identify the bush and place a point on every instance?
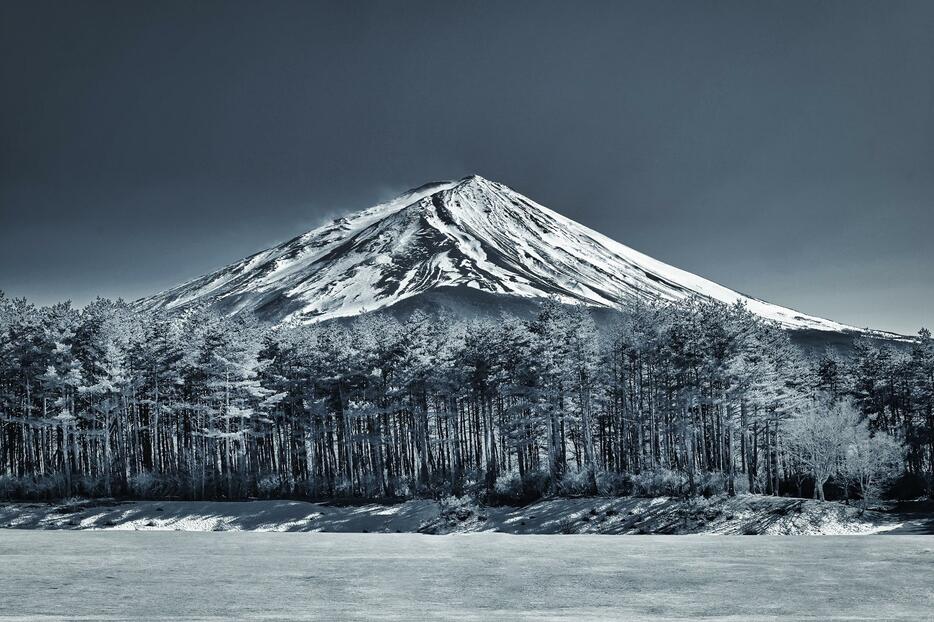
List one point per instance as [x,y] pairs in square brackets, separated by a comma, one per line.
[535,485]
[614,484]
[145,485]
[741,484]
[510,489]
[32,488]
[8,487]
[457,509]
[658,483]
[401,486]
[575,484]
[711,484]
[268,486]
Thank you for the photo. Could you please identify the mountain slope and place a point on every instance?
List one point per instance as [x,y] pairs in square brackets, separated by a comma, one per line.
[471,233]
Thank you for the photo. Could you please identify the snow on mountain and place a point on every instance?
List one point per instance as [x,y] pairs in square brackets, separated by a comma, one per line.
[471,233]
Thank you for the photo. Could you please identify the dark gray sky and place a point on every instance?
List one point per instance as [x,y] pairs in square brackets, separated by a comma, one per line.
[784,149]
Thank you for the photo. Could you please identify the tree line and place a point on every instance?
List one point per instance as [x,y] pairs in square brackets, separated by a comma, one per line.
[682,398]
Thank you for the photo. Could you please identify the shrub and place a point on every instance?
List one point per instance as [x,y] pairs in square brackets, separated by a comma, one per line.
[401,486]
[268,486]
[575,484]
[33,488]
[658,483]
[457,509]
[741,484]
[8,487]
[711,484]
[510,489]
[145,485]
[614,484]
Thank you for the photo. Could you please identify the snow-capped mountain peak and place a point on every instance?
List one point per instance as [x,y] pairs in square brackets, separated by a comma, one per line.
[472,233]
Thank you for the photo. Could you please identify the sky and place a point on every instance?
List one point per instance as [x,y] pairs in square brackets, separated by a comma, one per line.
[783,149]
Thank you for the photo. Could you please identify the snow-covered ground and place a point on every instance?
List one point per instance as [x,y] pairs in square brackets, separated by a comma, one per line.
[746,514]
[107,575]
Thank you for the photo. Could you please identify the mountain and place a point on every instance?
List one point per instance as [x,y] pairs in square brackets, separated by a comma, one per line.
[454,240]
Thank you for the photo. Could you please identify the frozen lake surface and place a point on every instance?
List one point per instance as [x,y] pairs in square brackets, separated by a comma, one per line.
[330,576]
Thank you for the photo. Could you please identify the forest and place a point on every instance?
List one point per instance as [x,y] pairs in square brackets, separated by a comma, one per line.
[685,398]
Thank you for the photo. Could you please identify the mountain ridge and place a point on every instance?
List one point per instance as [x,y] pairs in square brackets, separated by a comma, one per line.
[471,232]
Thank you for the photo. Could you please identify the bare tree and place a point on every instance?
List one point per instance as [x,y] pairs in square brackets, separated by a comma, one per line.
[872,460]
[819,437]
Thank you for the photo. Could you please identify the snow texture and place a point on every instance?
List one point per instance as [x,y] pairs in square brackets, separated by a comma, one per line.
[326,576]
[471,233]
[742,515]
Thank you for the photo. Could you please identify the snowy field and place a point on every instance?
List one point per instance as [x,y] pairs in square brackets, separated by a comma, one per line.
[327,576]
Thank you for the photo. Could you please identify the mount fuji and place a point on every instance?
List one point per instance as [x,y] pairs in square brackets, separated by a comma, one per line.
[460,239]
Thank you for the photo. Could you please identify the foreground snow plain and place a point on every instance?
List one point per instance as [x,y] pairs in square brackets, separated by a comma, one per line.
[741,515]
[106,575]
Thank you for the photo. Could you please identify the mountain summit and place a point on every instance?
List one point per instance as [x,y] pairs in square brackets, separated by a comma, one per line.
[472,233]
